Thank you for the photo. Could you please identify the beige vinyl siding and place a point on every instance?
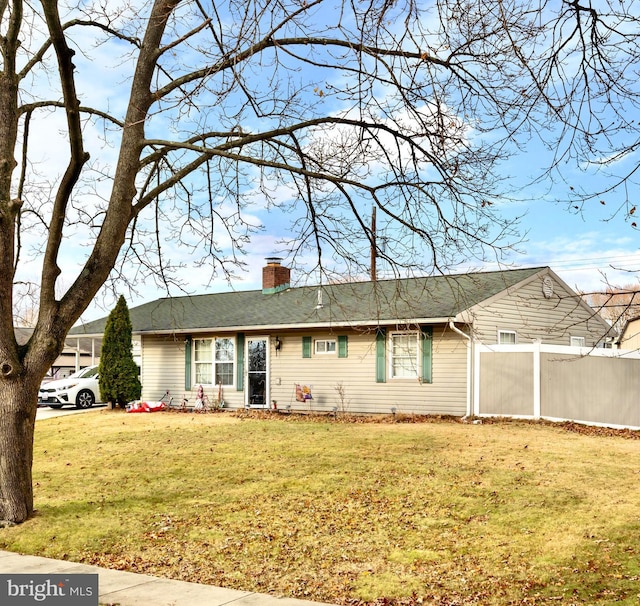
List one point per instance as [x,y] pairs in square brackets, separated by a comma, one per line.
[164,367]
[164,364]
[631,337]
[532,316]
[357,375]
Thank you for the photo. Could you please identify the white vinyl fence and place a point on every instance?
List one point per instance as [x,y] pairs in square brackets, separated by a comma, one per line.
[535,381]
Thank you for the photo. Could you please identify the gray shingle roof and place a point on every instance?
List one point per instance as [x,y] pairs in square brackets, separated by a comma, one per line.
[351,303]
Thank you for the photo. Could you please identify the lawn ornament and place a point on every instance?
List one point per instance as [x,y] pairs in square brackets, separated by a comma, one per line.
[140,406]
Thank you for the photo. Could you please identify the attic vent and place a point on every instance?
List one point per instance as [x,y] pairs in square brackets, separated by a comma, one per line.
[547,287]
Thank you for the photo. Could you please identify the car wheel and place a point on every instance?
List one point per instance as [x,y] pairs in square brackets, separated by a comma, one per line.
[55,406]
[85,399]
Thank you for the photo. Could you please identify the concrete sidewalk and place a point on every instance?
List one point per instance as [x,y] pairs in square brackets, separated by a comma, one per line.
[118,588]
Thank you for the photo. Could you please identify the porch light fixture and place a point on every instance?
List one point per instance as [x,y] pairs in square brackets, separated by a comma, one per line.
[278,344]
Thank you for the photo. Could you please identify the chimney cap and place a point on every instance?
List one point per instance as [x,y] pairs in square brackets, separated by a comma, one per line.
[273,260]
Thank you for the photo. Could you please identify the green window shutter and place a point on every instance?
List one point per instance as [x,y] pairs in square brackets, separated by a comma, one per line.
[240,361]
[343,346]
[188,342]
[306,347]
[381,355]
[426,341]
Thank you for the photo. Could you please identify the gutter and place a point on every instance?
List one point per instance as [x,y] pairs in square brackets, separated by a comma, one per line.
[454,328]
[274,327]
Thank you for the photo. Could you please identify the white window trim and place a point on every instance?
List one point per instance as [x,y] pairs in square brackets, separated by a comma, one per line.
[507,332]
[213,362]
[326,351]
[582,341]
[418,369]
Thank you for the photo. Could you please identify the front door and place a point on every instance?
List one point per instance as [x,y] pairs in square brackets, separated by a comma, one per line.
[258,388]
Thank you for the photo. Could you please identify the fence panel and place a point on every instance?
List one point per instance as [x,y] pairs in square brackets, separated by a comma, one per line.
[590,389]
[598,387]
[506,384]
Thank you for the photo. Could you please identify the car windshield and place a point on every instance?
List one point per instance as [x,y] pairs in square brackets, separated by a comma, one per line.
[85,373]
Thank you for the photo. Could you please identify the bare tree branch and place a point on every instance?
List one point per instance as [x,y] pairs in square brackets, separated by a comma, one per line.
[206,122]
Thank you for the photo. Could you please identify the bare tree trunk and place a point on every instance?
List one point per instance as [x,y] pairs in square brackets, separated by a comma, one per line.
[18,405]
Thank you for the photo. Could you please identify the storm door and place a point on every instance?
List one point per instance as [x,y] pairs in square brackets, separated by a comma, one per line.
[257,383]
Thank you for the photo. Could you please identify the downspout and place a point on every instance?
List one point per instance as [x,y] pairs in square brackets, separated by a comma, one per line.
[470,363]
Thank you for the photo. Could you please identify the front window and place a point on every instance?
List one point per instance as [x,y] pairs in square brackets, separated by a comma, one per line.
[203,361]
[404,355]
[214,361]
[224,361]
[325,347]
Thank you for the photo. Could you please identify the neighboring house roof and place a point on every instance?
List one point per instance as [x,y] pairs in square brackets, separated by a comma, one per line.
[22,334]
[84,346]
[410,300]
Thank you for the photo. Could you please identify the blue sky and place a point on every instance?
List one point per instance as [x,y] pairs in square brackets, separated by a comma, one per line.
[589,245]
[587,248]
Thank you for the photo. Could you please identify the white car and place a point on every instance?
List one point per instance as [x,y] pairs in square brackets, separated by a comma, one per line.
[80,389]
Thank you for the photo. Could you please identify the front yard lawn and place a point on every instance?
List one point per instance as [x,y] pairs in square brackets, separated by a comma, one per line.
[343,512]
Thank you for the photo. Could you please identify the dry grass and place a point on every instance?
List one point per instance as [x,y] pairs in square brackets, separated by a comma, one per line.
[348,513]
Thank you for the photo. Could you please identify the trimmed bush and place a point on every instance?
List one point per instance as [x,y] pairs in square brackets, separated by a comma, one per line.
[119,382]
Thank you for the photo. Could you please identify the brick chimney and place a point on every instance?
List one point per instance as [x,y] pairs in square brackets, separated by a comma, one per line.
[275,277]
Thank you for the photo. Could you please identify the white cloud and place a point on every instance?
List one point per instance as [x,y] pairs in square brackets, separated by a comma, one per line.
[590,261]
